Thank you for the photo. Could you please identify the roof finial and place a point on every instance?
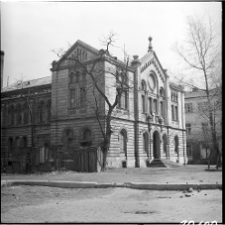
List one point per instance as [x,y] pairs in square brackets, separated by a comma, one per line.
[150,44]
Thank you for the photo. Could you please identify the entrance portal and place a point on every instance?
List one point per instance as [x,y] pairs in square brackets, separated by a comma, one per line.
[156,145]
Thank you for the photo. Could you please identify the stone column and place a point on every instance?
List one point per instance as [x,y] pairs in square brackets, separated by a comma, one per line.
[136,65]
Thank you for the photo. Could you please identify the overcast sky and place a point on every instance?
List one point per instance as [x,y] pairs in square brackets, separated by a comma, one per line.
[30,31]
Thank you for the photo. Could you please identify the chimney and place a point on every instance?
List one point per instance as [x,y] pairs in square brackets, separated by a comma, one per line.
[150,44]
[2,64]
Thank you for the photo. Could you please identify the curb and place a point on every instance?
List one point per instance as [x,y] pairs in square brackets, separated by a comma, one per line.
[145,186]
[171,186]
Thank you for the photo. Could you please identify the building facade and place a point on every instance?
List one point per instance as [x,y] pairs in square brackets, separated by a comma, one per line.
[199,142]
[148,123]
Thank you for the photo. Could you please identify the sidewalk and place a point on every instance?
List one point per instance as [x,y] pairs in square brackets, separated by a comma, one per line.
[180,178]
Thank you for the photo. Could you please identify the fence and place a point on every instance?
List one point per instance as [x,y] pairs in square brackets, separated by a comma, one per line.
[87,159]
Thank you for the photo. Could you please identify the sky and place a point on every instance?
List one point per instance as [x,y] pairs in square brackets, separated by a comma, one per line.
[32,31]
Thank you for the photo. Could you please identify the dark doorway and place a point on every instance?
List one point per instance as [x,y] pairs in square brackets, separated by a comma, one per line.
[156,145]
[165,145]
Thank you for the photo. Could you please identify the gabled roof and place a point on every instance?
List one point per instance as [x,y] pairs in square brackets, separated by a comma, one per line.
[79,43]
[29,83]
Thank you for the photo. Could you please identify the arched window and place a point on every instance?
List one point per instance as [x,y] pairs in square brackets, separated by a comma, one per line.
[143,103]
[11,115]
[72,78]
[145,142]
[77,76]
[161,91]
[24,141]
[18,114]
[25,114]
[143,85]
[69,138]
[176,144]
[18,142]
[10,144]
[48,116]
[86,137]
[41,112]
[123,142]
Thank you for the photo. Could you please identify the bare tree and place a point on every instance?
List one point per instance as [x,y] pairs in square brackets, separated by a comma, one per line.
[100,94]
[202,53]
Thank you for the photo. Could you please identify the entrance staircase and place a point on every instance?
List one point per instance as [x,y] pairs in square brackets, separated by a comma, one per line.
[163,163]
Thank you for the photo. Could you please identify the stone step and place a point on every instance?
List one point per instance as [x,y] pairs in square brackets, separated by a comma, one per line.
[156,163]
[163,163]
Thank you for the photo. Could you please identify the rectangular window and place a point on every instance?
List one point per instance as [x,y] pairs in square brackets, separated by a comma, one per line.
[155,106]
[72,97]
[174,97]
[143,103]
[188,107]
[150,105]
[205,128]
[188,128]
[189,150]
[123,102]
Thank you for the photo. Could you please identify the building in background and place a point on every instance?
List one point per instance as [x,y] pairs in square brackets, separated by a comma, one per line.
[199,142]
[148,124]
[2,65]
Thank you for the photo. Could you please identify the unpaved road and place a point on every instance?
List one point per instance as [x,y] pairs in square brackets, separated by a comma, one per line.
[29,204]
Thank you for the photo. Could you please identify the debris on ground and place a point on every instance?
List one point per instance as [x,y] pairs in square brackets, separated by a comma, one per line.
[188,195]
[190,190]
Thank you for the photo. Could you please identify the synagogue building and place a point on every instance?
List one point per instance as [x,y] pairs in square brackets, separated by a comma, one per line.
[56,115]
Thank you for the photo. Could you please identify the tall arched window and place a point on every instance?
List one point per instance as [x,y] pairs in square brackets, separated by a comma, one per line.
[145,142]
[143,103]
[143,85]
[86,137]
[176,144]
[48,116]
[69,138]
[72,78]
[10,144]
[18,114]
[41,112]
[77,76]
[25,114]
[11,115]
[123,142]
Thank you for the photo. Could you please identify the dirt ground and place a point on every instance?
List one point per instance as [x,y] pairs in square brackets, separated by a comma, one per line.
[183,174]
[29,204]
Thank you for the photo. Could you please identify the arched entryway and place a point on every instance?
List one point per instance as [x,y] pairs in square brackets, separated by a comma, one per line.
[165,145]
[156,145]
[176,144]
